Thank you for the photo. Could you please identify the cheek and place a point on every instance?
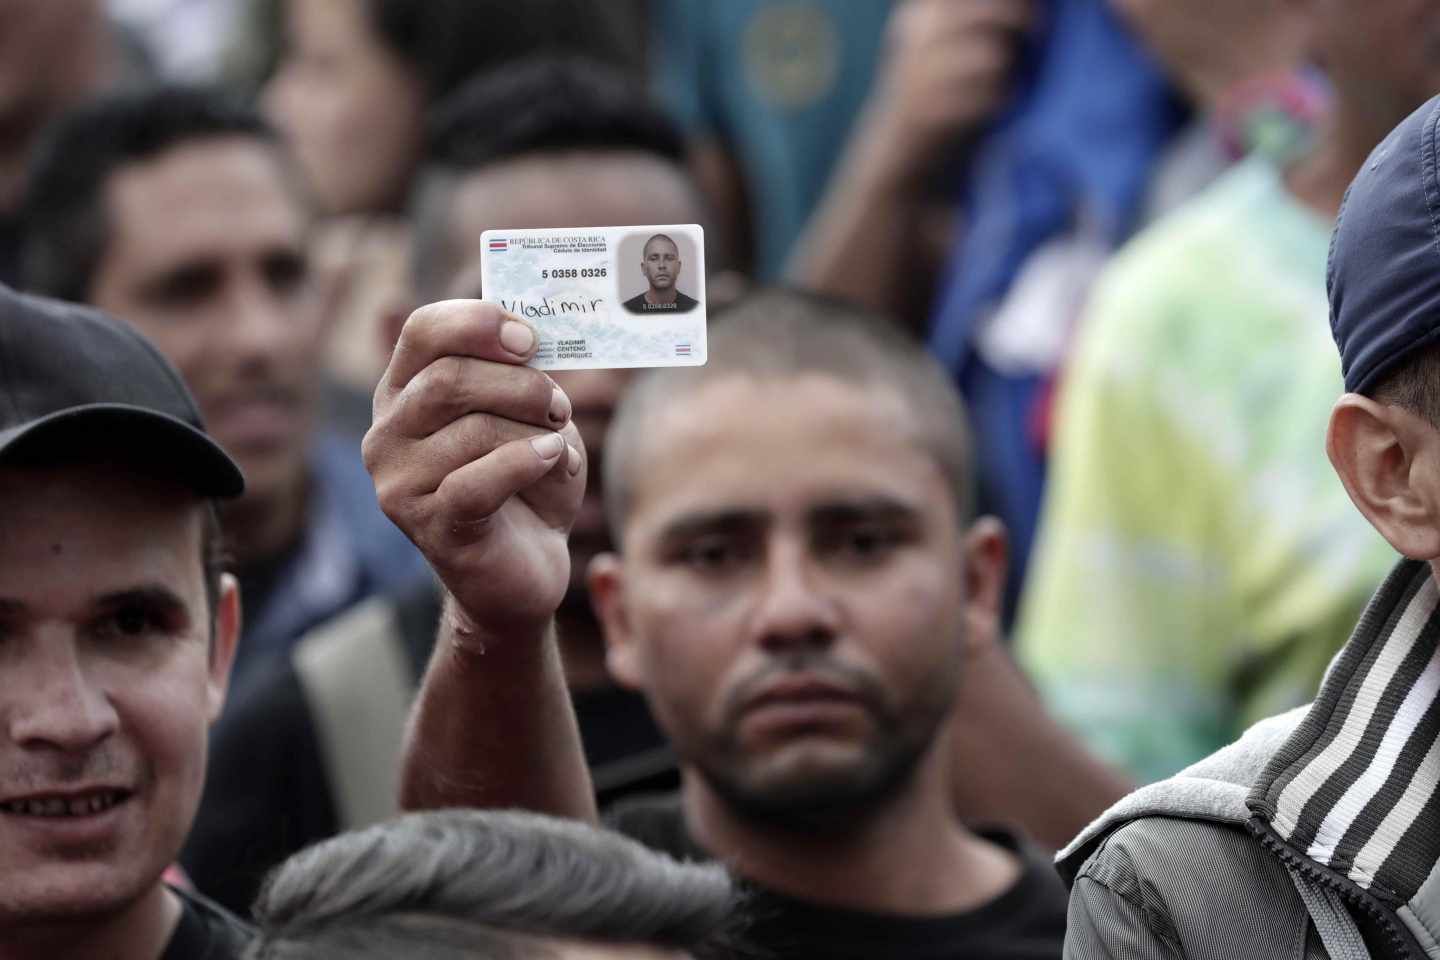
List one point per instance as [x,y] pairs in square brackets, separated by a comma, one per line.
[166,713]
[687,636]
[916,613]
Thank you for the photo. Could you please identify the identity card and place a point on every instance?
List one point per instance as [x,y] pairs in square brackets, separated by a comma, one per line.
[603,296]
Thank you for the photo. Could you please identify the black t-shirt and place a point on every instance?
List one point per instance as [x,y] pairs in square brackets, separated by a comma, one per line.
[206,931]
[1027,922]
[682,304]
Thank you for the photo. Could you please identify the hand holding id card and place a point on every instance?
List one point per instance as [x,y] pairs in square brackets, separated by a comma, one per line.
[604,296]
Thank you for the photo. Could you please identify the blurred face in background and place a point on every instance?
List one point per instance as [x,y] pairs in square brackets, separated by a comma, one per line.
[206,256]
[352,109]
[1382,55]
[1208,46]
[49,56]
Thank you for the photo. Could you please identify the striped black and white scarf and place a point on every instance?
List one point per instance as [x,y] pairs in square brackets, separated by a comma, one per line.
[1354,789]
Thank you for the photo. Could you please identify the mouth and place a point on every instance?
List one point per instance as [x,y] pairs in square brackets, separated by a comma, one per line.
[260,419]
[62,806]
[802,689]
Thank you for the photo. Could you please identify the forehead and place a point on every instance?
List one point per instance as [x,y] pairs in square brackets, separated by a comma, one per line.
[782,445]
[209,196]
[660,245]
[68,534]
[615,188]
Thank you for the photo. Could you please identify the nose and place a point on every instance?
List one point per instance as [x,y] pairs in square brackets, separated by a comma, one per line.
[796,608]
[54,700]
[262,326]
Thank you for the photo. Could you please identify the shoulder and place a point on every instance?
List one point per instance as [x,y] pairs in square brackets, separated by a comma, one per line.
[658,821]
[635,304]
[1173,877]
[207,931]
[684,302]
[1243,251]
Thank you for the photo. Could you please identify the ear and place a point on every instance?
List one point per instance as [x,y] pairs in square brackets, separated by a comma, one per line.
[222,648]
[1386,457]
[987,553]
[605,580]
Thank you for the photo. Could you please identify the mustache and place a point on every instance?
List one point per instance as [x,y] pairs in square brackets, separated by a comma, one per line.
[38,775]
[815,664]
[263,389]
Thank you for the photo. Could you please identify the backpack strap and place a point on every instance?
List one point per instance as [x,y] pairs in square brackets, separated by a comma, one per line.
[358,683]
[1332,920]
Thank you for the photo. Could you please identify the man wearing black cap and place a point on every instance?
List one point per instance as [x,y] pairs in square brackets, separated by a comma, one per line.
[1318,832]
[117,631]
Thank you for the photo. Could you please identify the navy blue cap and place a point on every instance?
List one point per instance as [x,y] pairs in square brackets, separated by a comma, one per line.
[1384,269]
[72,378]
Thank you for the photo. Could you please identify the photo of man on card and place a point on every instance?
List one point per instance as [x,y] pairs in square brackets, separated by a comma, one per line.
[660,264]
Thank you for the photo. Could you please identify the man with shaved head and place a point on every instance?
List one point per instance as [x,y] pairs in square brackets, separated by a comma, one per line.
[660,263]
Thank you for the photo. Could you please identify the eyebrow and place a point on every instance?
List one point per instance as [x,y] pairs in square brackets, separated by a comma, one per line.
[866,509]
[689,525]
[869,508]
[155,596]
[151,595]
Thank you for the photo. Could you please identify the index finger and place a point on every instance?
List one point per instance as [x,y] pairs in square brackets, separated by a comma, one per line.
[463,328]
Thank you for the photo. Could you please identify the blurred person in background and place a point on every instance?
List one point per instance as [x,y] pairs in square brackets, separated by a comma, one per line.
[554,143]
[351,86]
[1199,563]
[503,885]
[53,55]
[1088,137]
[118,625]
[179,212]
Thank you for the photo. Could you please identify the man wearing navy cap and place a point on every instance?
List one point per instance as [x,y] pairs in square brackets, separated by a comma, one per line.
[117,631]
[1317,834]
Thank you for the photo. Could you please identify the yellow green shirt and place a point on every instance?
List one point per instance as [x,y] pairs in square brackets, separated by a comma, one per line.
[1198,561]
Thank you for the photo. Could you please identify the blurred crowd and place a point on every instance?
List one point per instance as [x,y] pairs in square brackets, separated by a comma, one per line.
[1007,488]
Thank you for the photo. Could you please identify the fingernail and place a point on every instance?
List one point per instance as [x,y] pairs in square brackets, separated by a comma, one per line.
[516,337]
[549,446]
[559,406]
[572,460]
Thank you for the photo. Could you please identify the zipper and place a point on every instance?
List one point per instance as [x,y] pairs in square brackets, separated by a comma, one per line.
[1398,940]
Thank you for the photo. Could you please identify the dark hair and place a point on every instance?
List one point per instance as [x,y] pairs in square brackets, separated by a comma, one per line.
[63,221]
[1414,384]
[445,884]
[549,106]
[544,106]
[782,334]
[448,41]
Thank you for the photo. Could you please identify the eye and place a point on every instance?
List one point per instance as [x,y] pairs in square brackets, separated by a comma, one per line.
[286,272]
[859,543]
[712,555]
[131,621]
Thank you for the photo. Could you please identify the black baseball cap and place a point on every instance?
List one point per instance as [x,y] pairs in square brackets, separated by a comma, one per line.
[72,378]
[1384,269]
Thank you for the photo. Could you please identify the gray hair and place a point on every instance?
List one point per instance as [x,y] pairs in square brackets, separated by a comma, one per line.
[782,334]
[484,883]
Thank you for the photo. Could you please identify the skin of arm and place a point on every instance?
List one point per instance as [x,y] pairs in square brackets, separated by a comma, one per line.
[946,70]
[474,456]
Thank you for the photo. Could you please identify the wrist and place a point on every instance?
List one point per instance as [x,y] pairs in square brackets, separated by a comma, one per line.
[471,639]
